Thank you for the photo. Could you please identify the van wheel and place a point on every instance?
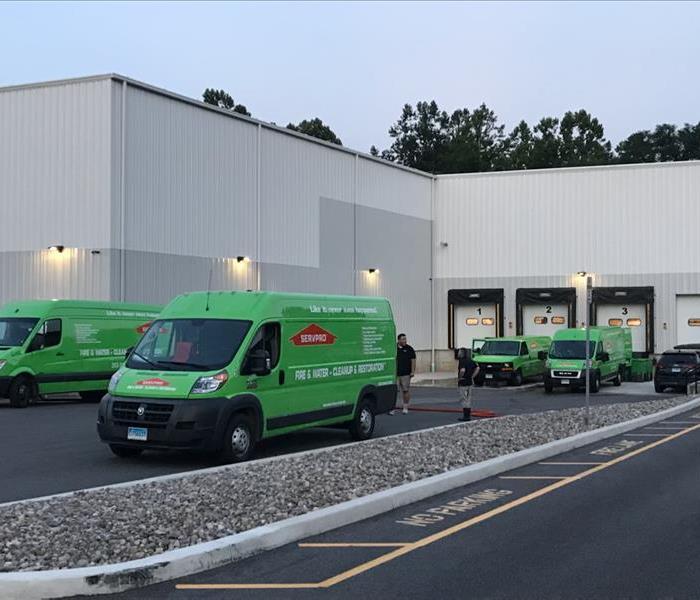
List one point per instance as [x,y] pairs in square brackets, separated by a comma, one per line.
[239,439]
[125,451]
[617,382]
[92,397]
[548,387]
[362,425]
[22,392]
[517,379]
[595,383]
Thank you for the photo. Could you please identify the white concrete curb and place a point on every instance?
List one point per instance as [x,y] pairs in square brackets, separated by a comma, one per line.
[105,579]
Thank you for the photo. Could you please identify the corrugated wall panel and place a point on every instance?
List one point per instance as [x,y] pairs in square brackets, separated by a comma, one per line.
[386,188]
[73,274]
[55,166]
[637,219]
[295,175]
[190,179]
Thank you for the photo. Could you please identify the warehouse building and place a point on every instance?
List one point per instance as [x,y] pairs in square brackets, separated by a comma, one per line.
[114,189]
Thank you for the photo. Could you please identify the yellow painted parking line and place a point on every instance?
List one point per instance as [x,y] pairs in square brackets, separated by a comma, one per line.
[355,545]
[530,477]
[571,463]
[680,423]
[247,586]
[445,533]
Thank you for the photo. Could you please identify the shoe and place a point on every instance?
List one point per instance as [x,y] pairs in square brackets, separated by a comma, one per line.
[392,412]
[405,410]
[466,414]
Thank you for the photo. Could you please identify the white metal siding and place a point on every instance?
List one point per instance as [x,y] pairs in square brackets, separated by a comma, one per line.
[295,175]
[55,166]
[638,219]
[190,179]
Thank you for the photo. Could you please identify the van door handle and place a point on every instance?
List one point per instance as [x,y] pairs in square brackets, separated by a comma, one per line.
[281,377]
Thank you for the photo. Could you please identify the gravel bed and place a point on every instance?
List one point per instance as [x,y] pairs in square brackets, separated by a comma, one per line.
[121,524]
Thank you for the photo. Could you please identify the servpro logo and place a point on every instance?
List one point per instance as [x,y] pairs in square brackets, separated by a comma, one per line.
[154,382]
[143,328]
[313,335]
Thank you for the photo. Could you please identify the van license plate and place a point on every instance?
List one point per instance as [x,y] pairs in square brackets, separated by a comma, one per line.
[565,382]
[489,376]
[675,370]
[139,434]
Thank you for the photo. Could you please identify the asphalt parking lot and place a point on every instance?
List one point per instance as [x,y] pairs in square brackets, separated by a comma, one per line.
[52,447]
[616,519]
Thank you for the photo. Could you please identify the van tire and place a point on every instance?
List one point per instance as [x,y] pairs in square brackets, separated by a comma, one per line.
[22,391]
[617,382]
[595,383]
[239,439]
[548,387]
[125,451]
[517,379]
[362,424]
[92,397]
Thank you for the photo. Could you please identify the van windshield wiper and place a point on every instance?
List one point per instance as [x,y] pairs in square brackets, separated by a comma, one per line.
[143,358]
[184,364]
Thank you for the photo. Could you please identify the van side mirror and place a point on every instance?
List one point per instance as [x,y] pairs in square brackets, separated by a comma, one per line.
[603,356]
[542,355]
[258,363]
[476,351]
[128,352]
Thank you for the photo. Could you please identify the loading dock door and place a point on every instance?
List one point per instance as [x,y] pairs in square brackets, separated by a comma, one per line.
[688,319]
[474,321]
[545,319]
[626,315]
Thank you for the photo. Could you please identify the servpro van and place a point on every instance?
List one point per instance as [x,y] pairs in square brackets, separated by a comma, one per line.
[61,346]
[610,351]
[220,371]
[512,359]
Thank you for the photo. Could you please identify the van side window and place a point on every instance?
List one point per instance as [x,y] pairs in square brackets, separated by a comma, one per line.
[266,339]
[48,335]
[523,350]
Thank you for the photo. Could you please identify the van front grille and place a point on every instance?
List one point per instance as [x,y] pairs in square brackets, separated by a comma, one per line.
[151,413]
[565,373]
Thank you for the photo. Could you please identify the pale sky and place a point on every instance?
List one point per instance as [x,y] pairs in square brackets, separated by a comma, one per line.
[632,64]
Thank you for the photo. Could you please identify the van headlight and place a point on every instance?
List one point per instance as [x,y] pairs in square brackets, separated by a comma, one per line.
[114,381]
[209,383]
[2,364]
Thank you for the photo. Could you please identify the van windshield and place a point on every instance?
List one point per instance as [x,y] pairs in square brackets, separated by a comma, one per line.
[500,348]
[188,345]
[571,349]
[15,331]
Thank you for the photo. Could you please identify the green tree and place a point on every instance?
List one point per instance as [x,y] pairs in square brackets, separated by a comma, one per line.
[637,148]
[316,128]
[689,138]
[475,142]
[420,137]
[517,147]
[223,99]
[546,144]
[583,140]
[667,145]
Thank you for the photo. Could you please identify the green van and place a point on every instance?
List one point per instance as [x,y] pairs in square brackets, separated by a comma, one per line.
[63,346]
[610,351]
[512,359]
[219,371]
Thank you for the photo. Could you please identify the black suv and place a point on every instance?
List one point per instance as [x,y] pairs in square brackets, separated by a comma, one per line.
[676,369]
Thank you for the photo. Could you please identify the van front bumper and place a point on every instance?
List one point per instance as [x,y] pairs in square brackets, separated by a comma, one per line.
[172,424]
[4,386]
[568,379]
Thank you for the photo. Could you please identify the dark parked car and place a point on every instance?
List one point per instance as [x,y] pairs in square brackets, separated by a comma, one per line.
[676,369]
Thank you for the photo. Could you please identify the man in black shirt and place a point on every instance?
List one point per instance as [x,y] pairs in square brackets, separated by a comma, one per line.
[405,369]
[467,370]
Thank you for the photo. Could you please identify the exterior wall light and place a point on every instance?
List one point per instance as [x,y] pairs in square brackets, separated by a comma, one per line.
[241,259]
[57,248]
[581,273]
[372,270]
